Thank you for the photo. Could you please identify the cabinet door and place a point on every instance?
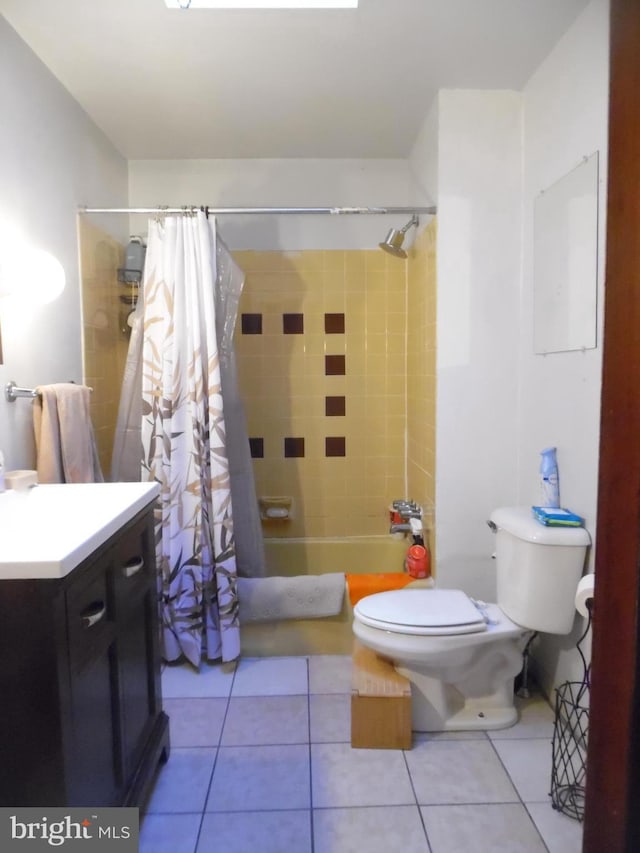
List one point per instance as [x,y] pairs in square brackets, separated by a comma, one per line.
[134,588]
[93,771]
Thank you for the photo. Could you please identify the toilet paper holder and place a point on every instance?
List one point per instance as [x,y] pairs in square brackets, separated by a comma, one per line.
[584,594]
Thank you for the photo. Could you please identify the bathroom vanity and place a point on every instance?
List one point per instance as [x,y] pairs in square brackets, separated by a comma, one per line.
[81,720]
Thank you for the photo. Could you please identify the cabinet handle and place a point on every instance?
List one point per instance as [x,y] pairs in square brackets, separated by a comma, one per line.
[133,567]
[93,614]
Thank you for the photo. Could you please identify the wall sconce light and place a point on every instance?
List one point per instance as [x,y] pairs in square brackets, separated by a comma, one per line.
[28,275]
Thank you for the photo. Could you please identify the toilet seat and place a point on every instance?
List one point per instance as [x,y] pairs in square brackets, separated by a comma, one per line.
[424,612]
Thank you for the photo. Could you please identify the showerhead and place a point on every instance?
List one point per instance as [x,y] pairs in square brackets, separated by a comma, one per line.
[395,238]
[393,243]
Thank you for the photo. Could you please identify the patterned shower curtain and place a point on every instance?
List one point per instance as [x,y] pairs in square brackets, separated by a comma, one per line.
[184,441]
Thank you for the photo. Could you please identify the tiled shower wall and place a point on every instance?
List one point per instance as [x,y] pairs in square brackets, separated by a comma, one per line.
[421,371]
[336,355]
[322,355]
[106,335]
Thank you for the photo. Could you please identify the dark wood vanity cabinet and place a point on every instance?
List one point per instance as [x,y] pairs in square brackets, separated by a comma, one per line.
[81,720]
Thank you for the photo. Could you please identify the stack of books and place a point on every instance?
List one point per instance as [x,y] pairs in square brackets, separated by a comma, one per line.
[556,517]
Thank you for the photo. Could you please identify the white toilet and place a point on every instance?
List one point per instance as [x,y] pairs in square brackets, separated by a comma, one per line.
[461,656]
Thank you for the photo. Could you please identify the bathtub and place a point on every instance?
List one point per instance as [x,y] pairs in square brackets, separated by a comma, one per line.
[351,554]
[331,635]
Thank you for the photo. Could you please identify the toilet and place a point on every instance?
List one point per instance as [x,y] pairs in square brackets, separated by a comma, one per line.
[461,656]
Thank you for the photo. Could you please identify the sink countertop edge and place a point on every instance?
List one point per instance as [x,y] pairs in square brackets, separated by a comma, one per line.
[65,558]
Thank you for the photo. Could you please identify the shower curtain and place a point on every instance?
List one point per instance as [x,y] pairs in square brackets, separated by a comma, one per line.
[180,411]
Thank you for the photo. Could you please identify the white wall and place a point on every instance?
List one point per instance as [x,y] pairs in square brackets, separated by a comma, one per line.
[423,157]
[566,116]
[281,183]
[498,404]
[479,273]
[52,159]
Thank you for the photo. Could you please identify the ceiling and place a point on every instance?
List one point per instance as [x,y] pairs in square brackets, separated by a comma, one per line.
[234,84]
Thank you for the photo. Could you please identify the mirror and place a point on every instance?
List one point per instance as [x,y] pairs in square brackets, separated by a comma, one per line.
[565,258]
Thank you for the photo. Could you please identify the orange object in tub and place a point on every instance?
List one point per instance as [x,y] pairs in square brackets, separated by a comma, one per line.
[361,585]
[418,562]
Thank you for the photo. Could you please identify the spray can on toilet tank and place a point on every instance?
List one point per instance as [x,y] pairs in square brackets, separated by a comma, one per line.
[549,480]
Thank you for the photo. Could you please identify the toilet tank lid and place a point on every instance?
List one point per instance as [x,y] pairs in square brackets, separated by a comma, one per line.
[519,521]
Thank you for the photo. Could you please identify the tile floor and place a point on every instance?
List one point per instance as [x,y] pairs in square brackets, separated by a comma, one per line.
[261,763]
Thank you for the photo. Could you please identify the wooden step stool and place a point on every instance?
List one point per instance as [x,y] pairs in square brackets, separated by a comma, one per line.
[380,703]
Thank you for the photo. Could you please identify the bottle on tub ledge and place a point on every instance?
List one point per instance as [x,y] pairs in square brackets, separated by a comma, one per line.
[549,480]
[418,562]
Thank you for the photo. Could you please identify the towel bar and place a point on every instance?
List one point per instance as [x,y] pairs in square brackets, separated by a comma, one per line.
[13,391]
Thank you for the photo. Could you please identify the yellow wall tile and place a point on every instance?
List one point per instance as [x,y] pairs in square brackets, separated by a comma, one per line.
[355,270]
[288,390]
[105,332]
[375,260]
[334,260]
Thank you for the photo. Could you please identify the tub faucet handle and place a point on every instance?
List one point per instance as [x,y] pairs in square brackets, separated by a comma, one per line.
[400,528]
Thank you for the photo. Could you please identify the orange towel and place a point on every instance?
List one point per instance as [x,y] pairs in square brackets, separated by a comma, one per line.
[361,585]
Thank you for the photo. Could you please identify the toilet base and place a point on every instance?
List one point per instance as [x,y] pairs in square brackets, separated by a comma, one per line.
[438,707]
[472,719]
[459,682]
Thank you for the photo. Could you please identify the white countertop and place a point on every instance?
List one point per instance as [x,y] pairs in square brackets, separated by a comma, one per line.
[46,531]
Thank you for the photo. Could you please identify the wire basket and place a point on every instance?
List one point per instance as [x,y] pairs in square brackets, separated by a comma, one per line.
[569,749]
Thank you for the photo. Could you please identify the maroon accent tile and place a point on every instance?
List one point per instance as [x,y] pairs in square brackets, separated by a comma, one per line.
[335,406]
[256,445]
[251,324]
[335,446]
[334,324]
[335,365]
[293,324]
[293,447]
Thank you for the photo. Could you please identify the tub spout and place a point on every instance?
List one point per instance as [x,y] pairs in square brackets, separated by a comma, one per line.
[400,528]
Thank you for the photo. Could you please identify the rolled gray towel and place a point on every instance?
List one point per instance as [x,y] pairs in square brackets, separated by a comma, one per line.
[300,597]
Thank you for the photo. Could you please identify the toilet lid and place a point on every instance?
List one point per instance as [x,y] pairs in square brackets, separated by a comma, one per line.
[421,611]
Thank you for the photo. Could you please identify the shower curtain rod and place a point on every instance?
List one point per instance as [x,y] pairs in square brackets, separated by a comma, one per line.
[335,211]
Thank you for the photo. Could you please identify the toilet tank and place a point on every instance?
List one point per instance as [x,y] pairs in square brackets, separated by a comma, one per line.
[537,569]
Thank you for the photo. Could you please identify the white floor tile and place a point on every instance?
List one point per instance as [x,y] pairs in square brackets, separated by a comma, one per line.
[261,784]
[257,778]
[330,718]
[182,680]
[256,832]
[342,777]
[330,674]
[499,828]
[561,834]
[423,737]
[271,677]
[182,783]
[458,771]
[374,830]
[535,720]
[266,720]
[169,833]
[195,722]
[528,763]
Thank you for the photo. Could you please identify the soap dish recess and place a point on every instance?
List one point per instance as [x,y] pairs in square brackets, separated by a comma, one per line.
[275,508]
